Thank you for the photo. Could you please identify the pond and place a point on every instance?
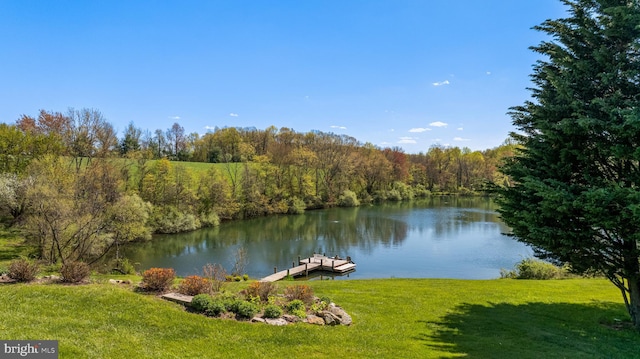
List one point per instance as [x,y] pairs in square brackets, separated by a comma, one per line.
[438,237]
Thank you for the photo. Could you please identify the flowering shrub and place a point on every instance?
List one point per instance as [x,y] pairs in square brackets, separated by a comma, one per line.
[158,279]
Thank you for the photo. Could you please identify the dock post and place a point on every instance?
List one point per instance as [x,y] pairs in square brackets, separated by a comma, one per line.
[293,264]
[275,270]
[332,265]
[287,272]
[321,264]
[309,259]
[306,270]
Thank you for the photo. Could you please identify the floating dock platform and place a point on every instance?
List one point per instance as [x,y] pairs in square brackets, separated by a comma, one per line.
[317,262]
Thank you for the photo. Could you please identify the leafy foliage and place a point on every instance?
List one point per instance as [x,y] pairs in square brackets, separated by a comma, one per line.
[158,279]
[200,302]
[531,268]
[272,311]
[573,191]
[194,285]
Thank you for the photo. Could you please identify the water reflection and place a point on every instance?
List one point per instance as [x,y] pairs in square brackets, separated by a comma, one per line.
[436,237]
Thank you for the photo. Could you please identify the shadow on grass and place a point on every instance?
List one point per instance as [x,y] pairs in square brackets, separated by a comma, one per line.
[535,330]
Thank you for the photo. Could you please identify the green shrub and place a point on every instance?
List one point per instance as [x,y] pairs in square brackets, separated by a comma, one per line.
[325,299]
[194,285]
[237,278]
[348,199]
[394,195]
[210,219]
[157,279]
[245,277]
[297,308]
[296,206]
[215,308]
[272,311]
[532,268]
[74,272]
[247,310]
[230,302]
[405,191]
[301,292]
[124,266]
[168,219]
[295,304]
[201,302]
[23,270]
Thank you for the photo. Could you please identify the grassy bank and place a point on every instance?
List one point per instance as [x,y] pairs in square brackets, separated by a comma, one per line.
[393,318]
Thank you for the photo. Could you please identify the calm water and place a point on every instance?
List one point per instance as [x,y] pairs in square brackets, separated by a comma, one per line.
[440,237]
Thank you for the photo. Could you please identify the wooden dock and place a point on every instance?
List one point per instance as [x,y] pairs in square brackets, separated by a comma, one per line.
[314,263]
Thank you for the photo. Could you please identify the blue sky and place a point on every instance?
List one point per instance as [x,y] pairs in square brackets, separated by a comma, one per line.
[393,73]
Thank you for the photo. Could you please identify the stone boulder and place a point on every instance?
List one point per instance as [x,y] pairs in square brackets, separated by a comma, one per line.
[276,321]
[314,319]
[345,318]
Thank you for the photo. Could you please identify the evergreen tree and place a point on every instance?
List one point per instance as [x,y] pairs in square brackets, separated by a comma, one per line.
[575,197]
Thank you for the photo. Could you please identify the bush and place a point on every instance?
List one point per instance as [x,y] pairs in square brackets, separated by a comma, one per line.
[23,270]
[215,308]
[272,311]
[348,199]
[124,266]
[531,268]
[158,279]
[245,277]
[261,289]
[194,285]
[297,308]
[296,206]
[201,302]
[75,272]
[295,304]
[168,219]
[246,309]
[301,292]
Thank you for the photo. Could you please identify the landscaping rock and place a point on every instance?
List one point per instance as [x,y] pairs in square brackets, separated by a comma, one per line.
[118,281]
[345,318]
[329,318]
[277,321]
[257,320]
[291,318]
[314,319]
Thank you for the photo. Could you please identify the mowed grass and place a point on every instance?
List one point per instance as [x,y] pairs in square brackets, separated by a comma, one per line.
[393,318]
[12,245]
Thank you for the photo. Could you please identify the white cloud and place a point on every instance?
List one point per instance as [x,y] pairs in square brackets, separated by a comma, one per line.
[445,82]
[419,129]
[209,128]
[488,72]
[461,139]
[407,140]
[175,117]
[392,130]
[338,127]
[232,114]
[460,129]
[438,124]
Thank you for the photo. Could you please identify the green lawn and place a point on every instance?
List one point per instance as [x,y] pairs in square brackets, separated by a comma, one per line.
[393,318]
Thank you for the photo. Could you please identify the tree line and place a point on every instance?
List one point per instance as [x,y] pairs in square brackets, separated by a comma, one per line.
[78,190]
